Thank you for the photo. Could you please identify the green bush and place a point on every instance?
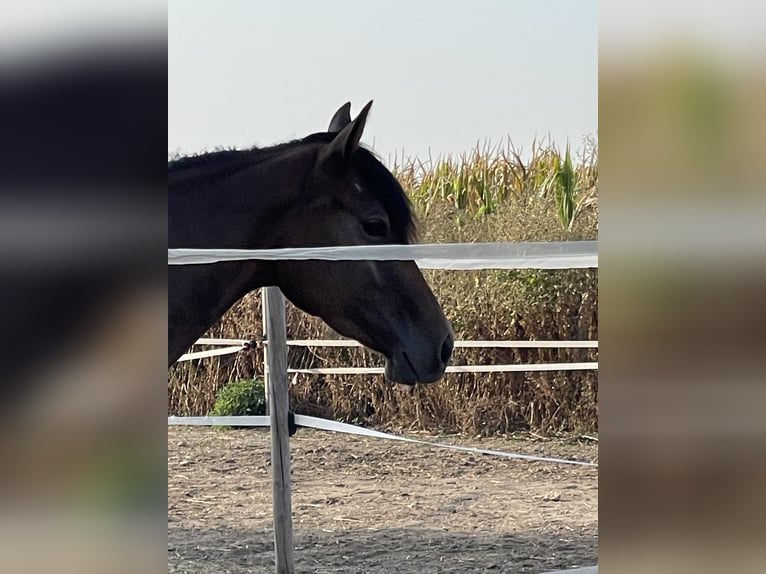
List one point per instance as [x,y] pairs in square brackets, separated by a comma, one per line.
[246,397]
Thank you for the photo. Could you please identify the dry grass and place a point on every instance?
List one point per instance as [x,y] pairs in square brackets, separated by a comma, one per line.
[488,195]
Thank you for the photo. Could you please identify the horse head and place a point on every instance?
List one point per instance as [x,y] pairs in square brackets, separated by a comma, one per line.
[350,198]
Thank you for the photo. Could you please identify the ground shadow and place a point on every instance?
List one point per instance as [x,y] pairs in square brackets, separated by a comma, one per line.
[398,550]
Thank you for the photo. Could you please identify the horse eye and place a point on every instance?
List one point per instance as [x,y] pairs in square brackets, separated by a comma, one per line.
[375,228]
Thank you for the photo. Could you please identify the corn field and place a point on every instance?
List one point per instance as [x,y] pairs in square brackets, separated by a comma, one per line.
[490,194]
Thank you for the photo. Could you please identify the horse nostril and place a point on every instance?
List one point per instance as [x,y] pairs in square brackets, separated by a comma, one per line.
[447,348]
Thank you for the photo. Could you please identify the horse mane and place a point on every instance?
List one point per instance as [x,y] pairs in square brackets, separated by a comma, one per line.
[378,179]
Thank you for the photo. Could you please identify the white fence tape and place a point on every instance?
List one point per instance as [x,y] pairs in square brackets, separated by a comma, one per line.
[537,255]
[352,343]
[349,343]
[530,344]
[457,369]
[208,341]
[580,570]
[210,353]
[324,424]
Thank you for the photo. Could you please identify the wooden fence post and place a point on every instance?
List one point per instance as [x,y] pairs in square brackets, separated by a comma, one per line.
[265,325]
[278,400]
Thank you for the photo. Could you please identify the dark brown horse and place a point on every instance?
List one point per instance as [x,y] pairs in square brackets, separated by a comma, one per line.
[322,190]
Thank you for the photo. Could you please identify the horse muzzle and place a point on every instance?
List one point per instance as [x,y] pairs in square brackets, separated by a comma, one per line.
[419,363]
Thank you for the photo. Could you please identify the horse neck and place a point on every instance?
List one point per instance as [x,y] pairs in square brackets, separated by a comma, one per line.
[246,209]
[199,295]
[241,211]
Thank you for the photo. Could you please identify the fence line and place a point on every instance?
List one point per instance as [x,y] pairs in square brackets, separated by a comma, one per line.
[552,255]
[465,256]
[334,426]
[230,348]
[528,367]
[521,344]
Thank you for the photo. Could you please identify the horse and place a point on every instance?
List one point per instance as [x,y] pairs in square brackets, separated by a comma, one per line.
[323,190]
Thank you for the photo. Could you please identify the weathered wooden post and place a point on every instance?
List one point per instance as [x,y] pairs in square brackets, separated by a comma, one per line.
[278,404]
[265,336]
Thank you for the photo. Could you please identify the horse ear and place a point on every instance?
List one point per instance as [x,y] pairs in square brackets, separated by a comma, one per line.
[341,118]
[346,142]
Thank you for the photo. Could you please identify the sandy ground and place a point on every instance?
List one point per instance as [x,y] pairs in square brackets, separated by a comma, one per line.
[363,505]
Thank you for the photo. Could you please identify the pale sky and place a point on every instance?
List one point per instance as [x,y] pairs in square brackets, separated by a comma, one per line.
[443,74]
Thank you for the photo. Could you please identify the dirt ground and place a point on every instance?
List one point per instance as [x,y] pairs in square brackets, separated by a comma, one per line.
[365,505]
